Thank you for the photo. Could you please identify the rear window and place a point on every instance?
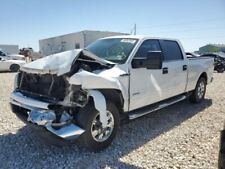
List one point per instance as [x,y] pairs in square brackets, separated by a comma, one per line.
[171,50]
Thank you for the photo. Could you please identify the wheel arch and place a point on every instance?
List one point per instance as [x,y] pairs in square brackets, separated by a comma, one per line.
[204,75]
[12,66]
[115,96]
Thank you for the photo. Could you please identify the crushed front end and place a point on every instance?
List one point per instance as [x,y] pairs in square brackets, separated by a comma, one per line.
[51,92]
[48,101]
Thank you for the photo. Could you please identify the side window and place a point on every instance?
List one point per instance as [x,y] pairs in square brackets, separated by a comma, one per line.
[2,54]
[146,46]
[171,50]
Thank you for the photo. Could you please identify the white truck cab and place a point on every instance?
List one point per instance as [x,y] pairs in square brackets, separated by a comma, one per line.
[85,94]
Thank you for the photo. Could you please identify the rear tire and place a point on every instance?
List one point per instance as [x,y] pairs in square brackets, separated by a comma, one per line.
[88,119]
[14,67]
[220,70]
[199,93]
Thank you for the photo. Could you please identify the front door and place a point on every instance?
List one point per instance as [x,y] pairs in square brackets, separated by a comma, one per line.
[146,85]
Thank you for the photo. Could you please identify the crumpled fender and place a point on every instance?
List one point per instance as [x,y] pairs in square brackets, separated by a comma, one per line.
[90,80]
[100,105]
[102,80]
[106,79]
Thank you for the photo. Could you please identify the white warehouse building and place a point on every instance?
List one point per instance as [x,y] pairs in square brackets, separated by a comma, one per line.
[72,41]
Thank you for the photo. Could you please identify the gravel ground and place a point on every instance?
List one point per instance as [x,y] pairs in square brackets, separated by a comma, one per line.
[181,136]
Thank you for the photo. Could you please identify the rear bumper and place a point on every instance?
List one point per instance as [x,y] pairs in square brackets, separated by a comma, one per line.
[22,105]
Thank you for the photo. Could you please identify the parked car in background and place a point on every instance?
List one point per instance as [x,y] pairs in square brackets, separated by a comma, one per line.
[219,61]
[7,56]
[10,65]
[85,94]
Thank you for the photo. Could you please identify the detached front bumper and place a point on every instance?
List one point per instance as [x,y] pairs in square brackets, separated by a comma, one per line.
[22,105]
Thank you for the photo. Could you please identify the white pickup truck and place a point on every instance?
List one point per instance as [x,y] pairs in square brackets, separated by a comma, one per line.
[84,95]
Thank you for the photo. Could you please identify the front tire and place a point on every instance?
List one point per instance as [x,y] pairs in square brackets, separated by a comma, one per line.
[199,93]
[96,138]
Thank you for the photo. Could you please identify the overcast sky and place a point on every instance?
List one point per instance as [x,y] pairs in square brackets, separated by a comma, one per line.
[194,22]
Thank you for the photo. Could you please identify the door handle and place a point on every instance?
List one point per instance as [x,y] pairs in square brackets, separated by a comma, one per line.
[184,67]
[165,70]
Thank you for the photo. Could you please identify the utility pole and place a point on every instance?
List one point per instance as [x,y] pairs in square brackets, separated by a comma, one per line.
[135,29]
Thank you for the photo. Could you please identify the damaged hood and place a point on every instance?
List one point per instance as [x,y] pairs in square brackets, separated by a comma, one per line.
[59,63]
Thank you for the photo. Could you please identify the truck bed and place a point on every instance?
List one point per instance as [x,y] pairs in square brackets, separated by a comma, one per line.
[197,65]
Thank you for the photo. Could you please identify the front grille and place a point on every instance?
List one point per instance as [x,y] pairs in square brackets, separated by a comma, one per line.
[46,85]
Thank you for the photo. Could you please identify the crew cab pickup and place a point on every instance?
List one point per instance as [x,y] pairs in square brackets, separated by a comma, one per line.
[85,94]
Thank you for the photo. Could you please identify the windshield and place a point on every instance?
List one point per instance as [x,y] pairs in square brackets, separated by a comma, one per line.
[116,49]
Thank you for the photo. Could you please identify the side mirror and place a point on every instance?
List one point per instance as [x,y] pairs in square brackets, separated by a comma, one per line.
[139,62]
[154,60]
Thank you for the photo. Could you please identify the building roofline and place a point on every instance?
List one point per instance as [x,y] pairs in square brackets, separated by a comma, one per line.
[140,37]
[81,32]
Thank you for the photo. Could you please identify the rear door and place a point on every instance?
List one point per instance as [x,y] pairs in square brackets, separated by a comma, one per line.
[174,69]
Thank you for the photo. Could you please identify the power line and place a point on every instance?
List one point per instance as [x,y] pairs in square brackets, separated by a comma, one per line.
[185,23]
[200,37]
[134,29]
[190,30]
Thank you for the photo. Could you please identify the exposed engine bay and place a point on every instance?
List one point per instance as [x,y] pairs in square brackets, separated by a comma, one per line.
[57,88]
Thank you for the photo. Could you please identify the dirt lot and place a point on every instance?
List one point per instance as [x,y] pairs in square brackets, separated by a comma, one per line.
[180,136]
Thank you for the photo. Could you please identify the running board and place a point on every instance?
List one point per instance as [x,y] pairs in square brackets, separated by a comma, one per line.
[138,113]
